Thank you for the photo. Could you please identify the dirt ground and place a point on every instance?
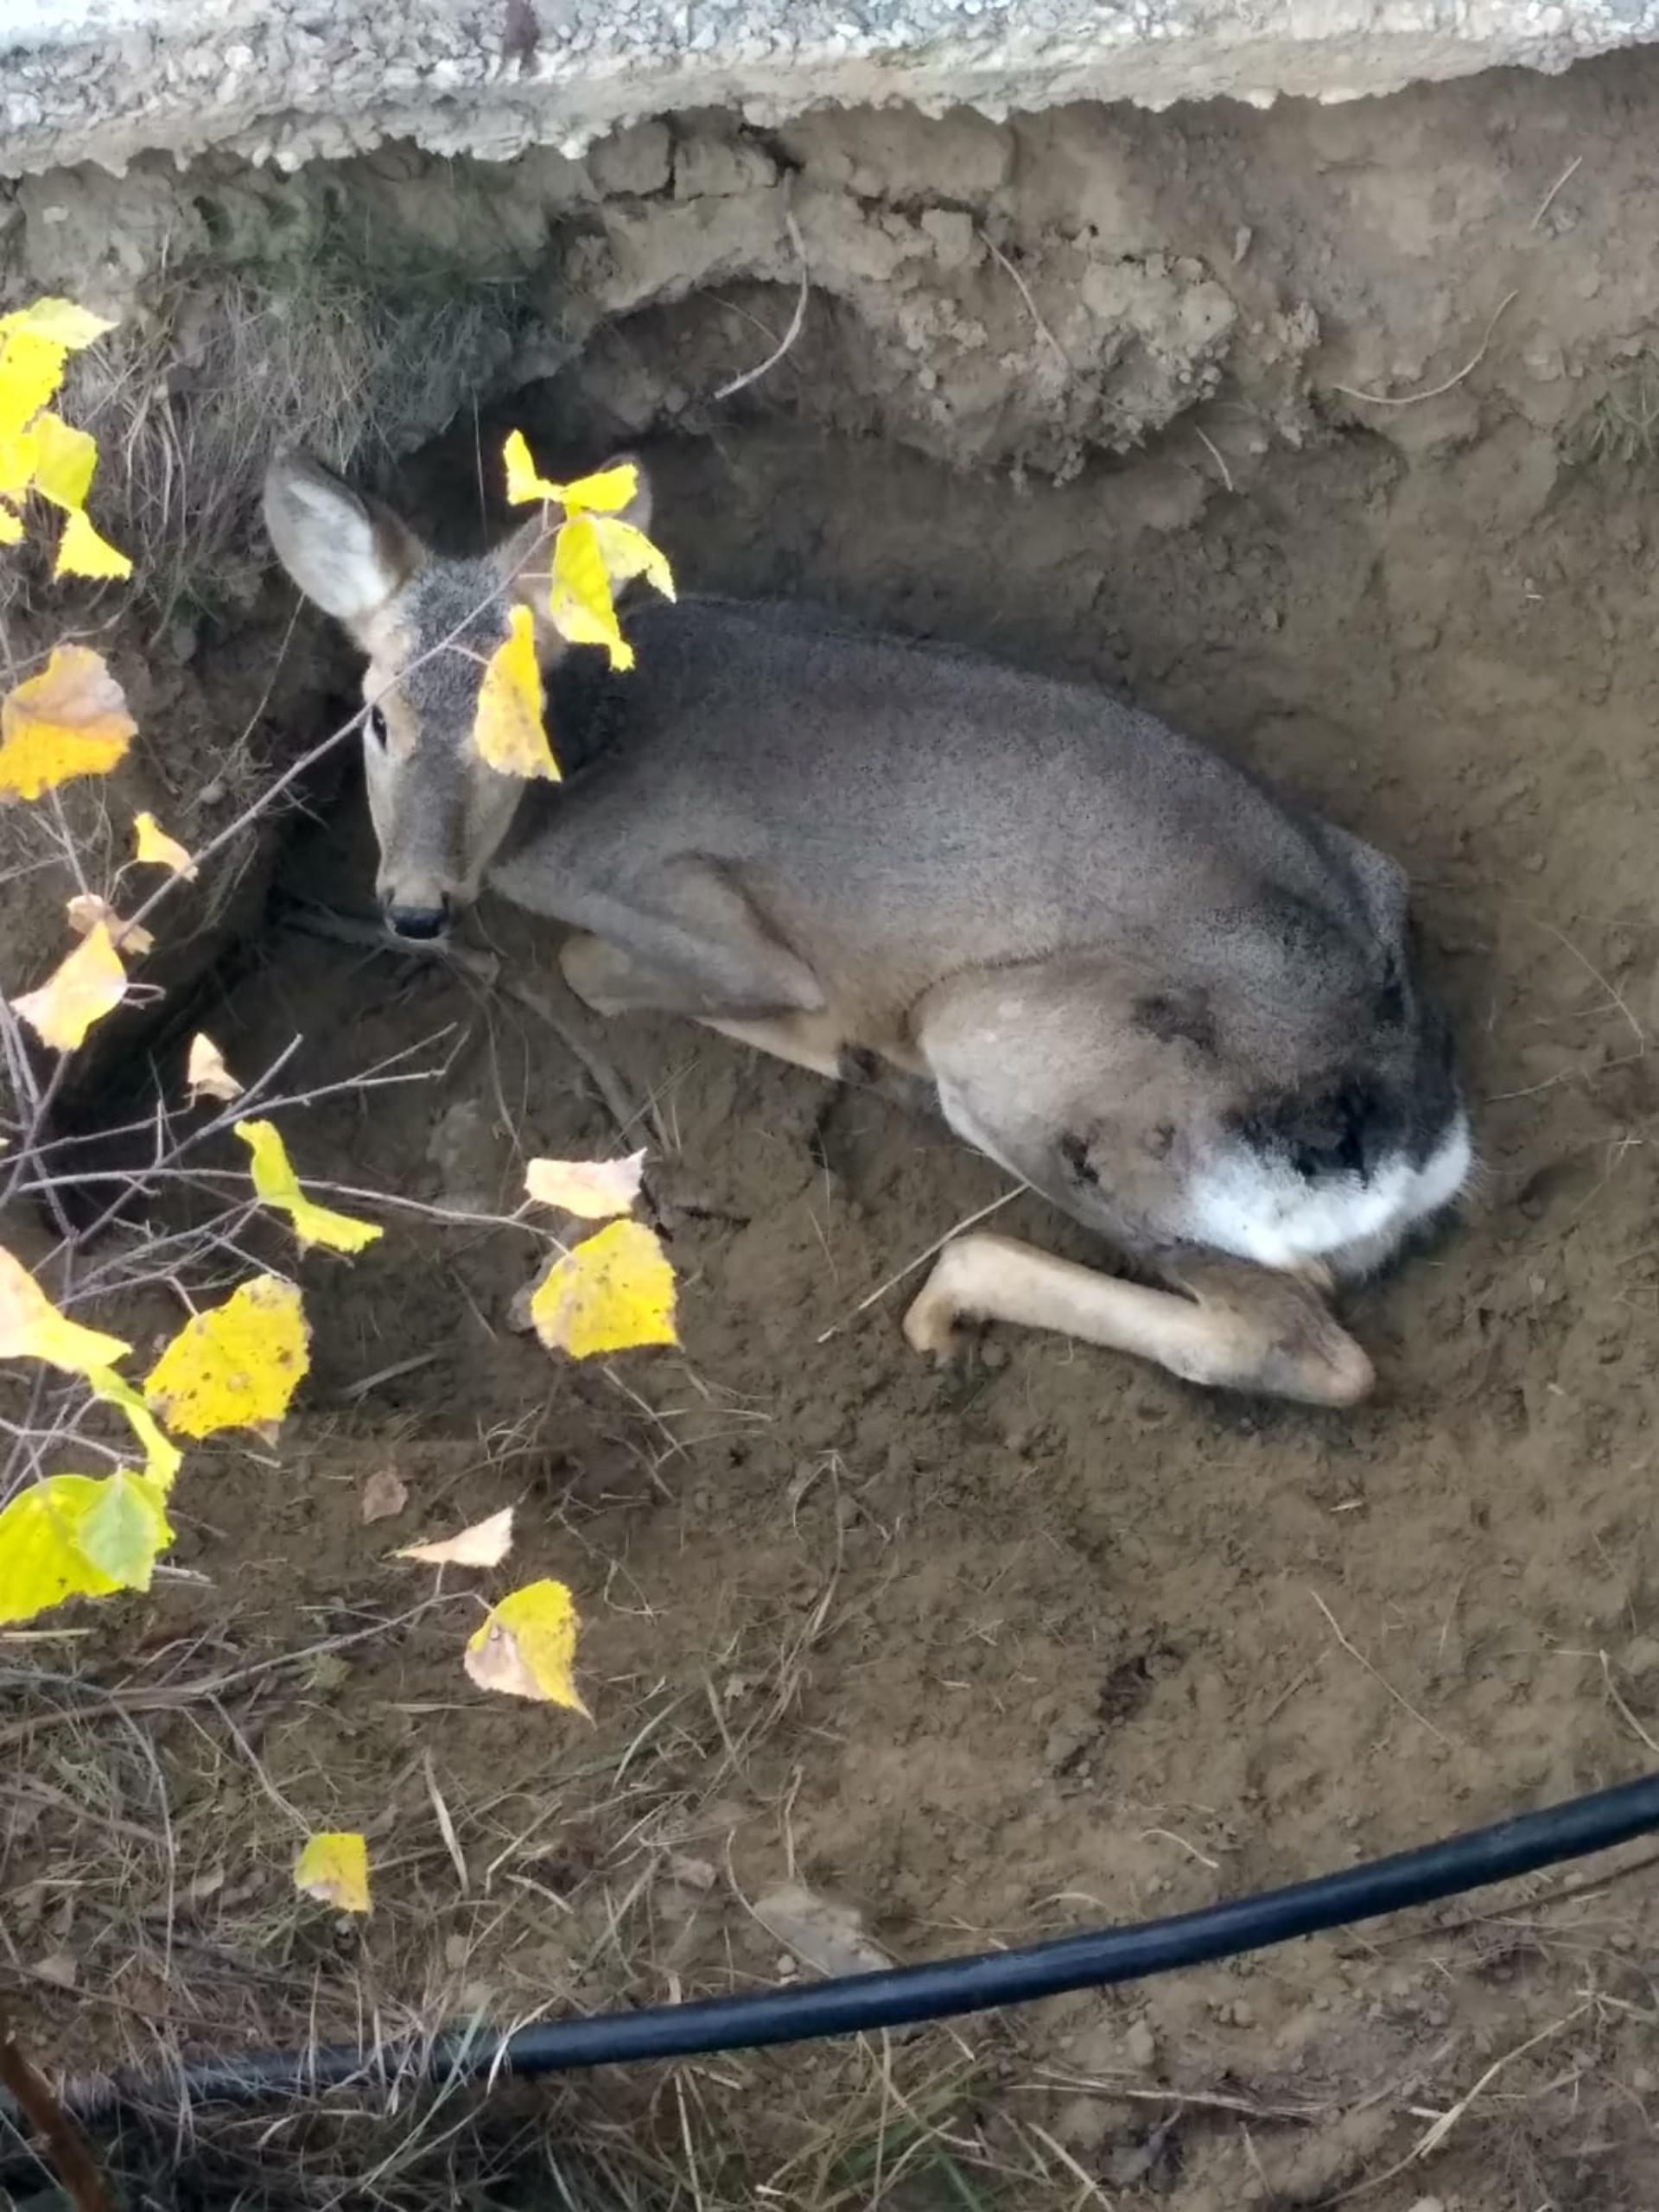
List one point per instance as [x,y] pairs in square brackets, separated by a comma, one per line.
[1048,1642]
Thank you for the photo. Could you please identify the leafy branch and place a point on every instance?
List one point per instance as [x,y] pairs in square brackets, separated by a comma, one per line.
[238,1360]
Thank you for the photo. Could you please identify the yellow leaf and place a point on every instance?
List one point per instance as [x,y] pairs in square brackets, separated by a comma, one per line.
[151,844]
[334,1869]
[274,1181]
[606,492]
[77,1537]
[507,729]
[40,1561]
[11,527]
[70,720]
[162,1457]
[487,1543]
[205,1070]
[125,1527]
[19,451]
[86,910]
[236,1365]
[59,321]
[79,991]
[592,1189]
[579,602]
[527,1646]
[31,368]
[616,1290]
[31,1326]
[64,462]
[82,552]
[524,484]
[627,553]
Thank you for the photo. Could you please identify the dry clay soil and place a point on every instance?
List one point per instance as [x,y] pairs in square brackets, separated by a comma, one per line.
[1053,1639]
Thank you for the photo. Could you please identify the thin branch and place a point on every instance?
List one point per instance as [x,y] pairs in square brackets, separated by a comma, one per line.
[1548,199]
[1624,1710]
[921,1260]
[754,376]
[1404,1704]
[65,2147]
[1437,390]
[1024,290]
[344,929]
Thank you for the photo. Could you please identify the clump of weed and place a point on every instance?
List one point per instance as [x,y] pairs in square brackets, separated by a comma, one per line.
[1622,426]
[334,334]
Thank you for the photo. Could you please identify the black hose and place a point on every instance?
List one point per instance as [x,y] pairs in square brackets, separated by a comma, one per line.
[907,1994]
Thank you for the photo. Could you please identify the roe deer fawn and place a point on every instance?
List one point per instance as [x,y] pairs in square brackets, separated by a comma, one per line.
[1177,1004]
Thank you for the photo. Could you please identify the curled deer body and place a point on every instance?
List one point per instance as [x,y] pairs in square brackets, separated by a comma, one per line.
[1177,1004]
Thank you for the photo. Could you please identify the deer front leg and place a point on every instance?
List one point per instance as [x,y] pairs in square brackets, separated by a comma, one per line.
[611,981]
[1242,1328]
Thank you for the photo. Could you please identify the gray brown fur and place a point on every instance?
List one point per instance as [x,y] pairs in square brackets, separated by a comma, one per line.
[1127,967]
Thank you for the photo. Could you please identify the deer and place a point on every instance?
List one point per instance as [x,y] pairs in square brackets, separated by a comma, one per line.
[1182,1007]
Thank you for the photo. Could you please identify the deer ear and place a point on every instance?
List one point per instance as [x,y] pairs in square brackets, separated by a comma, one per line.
[347,554]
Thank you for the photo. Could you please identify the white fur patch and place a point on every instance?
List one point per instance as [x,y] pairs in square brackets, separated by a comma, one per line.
[1262,1211]
[1255,1210]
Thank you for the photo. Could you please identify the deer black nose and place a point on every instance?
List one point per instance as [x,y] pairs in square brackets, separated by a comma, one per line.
[421,924]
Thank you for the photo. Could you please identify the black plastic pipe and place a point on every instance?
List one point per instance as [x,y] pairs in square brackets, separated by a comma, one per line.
[859,2003]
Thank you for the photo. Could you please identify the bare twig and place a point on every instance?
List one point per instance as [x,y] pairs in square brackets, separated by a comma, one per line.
[1596,975]
[1561,1893]
[1624,1710]
[755,375]
[445,1824]
[1436,2133]
[119,1705]
[1548,199]
[1434,392]
[1404,1704]
[234,829]
[606,1081]
[1024,290]
[921,1260]
[484,969]
[361,1389]
[1091,2192]
[1215,453]
[1434,2136]
[1190,2099]
[65,2145]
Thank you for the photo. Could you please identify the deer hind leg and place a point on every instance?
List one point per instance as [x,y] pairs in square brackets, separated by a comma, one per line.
[1021,1061]
[611,981]
[1242,1328]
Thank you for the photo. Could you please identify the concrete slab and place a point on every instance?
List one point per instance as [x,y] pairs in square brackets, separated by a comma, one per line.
[104,80]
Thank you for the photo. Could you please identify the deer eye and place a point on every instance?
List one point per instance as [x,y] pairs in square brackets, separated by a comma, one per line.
[378,727]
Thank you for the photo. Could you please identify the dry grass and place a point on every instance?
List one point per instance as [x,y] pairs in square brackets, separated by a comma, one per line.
[158,1793]
[438,2156]
[358,346]
[1622,428]
[158,1814]
[232,368]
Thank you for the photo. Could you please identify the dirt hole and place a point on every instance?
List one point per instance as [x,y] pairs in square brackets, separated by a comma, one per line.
[987,1660]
